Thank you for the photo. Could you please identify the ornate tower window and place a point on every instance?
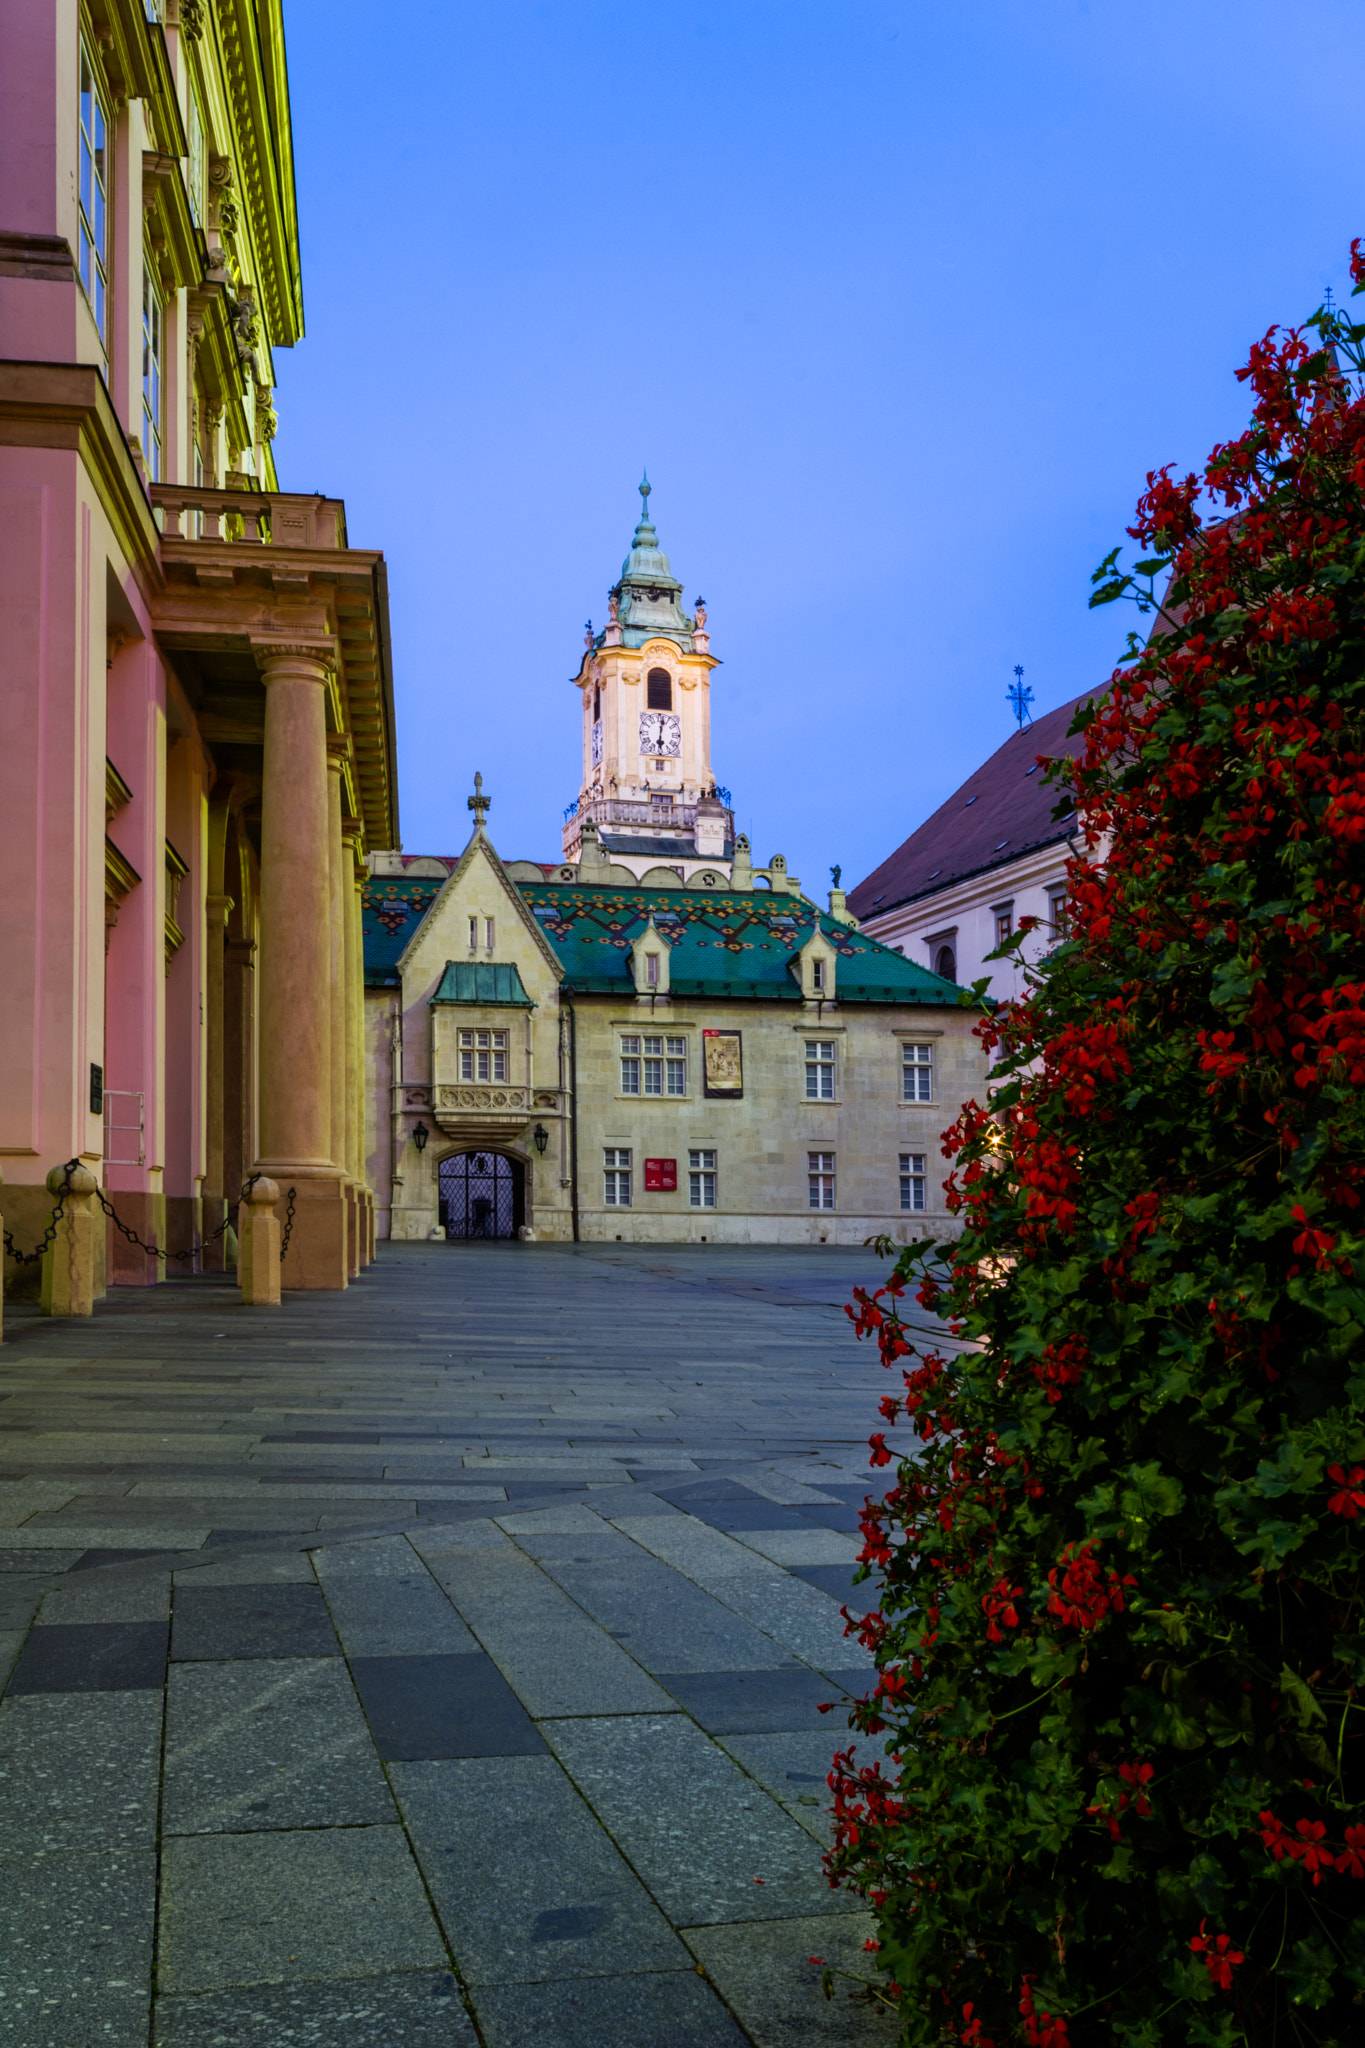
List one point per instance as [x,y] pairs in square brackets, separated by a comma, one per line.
[659,690]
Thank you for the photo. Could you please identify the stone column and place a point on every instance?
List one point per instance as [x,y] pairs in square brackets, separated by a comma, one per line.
[296,964]
[355,1125]
[338,860]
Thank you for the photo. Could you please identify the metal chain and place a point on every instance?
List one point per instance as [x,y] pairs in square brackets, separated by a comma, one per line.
[156,1251]
[50,1234]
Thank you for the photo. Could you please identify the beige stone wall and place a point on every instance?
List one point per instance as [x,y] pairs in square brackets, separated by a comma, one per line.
[762,1141]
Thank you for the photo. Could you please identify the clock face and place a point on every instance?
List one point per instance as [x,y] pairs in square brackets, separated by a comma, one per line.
[597,743]
[660,732]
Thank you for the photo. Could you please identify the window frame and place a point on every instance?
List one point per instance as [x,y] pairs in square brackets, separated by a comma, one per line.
[153,374]
[821,1060]
[617,1170]
[701,1177]
[492,1055]
[914,1180]
[93,143]
[821,1181]
[913,1069]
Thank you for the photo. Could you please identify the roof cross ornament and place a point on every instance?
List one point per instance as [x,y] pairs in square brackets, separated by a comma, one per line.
[1020,698]
[478,803]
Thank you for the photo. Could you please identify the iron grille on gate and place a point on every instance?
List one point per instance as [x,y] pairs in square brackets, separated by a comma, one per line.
[480,1195]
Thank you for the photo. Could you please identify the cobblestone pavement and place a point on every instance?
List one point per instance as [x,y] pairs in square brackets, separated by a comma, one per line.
[436,1663]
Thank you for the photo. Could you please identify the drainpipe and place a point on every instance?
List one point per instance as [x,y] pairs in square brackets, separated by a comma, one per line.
[573,1113]
[395,1109]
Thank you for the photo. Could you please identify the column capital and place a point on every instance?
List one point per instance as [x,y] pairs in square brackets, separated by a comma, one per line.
[338,753]
[312,659]
[216,909]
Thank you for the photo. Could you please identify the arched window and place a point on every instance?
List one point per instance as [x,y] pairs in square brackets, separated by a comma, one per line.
[596,704]
[659,690]
[946,963]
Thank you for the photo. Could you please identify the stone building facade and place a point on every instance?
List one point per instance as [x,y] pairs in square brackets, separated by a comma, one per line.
[199,744]
[604,1058]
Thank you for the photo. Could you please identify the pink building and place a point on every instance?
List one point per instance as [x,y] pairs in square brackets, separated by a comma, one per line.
[195,692]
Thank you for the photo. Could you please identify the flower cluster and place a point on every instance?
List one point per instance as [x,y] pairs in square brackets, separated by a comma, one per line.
[1120,1641]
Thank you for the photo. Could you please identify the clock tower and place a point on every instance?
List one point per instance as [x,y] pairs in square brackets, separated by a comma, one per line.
[645,690]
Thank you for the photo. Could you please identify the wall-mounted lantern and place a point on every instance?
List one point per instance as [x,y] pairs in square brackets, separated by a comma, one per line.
[540,1138]
[420,1134]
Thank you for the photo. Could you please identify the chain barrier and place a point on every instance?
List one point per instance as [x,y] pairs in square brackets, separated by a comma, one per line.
[50,1234]
[154,1251]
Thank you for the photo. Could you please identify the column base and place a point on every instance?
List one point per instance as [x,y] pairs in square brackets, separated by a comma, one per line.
[316,1248]
[353,1229]
[146,1214]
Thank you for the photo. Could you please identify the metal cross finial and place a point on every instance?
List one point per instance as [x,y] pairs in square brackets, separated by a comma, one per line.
[478,803]
[1020,698]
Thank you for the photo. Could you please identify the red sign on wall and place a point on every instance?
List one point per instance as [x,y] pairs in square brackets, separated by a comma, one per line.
[661,1176]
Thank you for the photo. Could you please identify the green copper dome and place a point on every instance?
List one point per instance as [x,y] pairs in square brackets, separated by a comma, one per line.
[649,594]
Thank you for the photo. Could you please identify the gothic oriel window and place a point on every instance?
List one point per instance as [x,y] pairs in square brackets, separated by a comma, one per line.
[659,690]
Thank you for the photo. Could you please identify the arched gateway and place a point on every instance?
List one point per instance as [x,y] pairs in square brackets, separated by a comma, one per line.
[482,1194]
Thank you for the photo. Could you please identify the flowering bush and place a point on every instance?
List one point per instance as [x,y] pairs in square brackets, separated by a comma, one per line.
[1120,1651]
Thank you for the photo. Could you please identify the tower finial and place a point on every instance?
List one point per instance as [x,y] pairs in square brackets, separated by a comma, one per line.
[1020,697]
[645,487]
[478,803]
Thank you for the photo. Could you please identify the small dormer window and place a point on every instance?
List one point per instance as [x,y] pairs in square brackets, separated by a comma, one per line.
[652,969]
[817,974]
[659,690]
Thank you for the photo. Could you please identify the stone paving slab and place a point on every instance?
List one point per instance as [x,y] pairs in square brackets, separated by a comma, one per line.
[563,1903]
[705,1838]
[419,2010]
[671,2010]
[214,1622]
[665,1622]
[765,1974]
[79,1771]
[423,1709]
[268,1743]
[92,1656]
[277,1908]
[76,1949]
[556,1660]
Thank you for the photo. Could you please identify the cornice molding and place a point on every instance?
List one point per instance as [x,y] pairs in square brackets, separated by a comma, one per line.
[67,405]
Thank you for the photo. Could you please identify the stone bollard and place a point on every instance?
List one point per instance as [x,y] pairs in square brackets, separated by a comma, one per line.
[258,1245]
[69,1261]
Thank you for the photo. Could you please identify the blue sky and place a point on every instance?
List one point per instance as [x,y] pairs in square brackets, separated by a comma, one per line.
[897,300]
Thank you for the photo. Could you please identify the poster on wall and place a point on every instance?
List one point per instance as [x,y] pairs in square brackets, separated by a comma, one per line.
[722,1064]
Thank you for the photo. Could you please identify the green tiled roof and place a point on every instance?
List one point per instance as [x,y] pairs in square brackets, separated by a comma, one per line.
[740,945]
[391,909]
[482,981]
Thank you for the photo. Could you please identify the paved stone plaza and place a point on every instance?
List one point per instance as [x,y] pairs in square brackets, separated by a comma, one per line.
[437,1662]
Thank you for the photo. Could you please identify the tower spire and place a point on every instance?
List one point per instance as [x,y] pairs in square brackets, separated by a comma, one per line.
[645,535]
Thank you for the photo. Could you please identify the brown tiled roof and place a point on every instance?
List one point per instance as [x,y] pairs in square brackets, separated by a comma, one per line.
[1002,811]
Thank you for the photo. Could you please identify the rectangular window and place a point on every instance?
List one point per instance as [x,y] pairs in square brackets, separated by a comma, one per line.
[151,376]
[820,1070]
[676,1065]
[654,1066]
[630,1066]
[1004,923]
[820,1173]
[913,1180]
[817,974]
[917,1073]
[93,210]
[1056,912]
[483,1055]
[616,1165]
[651,970]
[701,1179]
[473,935]
[488,930]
